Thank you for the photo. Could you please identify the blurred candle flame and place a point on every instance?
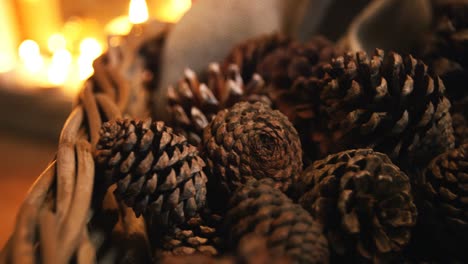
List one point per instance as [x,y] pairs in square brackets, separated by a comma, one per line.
[59,67]
[171,10]
[138,11]
[56,42]
[30,55]
[90,49]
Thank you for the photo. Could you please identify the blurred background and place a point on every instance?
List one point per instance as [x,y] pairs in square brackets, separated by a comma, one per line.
[47,49]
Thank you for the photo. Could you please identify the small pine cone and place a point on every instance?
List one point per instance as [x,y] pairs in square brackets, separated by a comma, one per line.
[364,202]
[157,172]
[201,234]
[193,104]
[284,65]
[258,208]
[443,191]
[252,250]
[388,103]
[446,48]
[250,141]
[249,54]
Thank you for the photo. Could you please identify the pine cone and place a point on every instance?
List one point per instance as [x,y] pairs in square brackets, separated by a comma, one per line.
[446,48]
[157,172]
[388,103]
[250,141]
[252,250]
[287,67]
[249,54]
[363,201]
[201,234]
[258,208]
[192,104]
[444,202]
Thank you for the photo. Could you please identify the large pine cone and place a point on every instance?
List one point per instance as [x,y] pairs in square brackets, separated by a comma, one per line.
[192,104]
[250,141]
[443,191]
[249,54]
[157,172]
[286,66]
[385,102]
[364,202]
[258,208]
[446,48]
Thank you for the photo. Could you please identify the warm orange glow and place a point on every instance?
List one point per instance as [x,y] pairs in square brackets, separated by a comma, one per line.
[7,62]
[119,26]
[171,10]
[138,11]
[56,42]
[30,55]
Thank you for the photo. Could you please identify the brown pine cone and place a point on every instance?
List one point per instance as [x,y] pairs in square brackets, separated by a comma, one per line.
[193,104]
[201,234]
[157,172]
[250,141]
[443,203]
[363,201]
[385,102]
[252,250]
[249,54]
[446,47]
[257,208]
[286,67]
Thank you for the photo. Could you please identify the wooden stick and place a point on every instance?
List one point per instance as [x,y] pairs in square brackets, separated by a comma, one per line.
[109,108]
[86,252]
[122,86]
[92,113]
[70,233]
[48,236]
[24,236]
[102,78]
[66,163]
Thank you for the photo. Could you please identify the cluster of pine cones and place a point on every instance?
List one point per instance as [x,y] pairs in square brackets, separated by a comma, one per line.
[292,152]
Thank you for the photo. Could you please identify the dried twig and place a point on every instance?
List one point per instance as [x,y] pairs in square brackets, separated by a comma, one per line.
[24,236]
[111,111]
[66,162]
[92,113]
[48,236]
[70,232]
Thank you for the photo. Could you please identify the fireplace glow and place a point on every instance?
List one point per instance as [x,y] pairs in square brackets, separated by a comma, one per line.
[61,55]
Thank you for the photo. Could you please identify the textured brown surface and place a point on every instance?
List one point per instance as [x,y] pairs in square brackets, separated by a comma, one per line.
[250,141]
[364,202]
[386,102]
[157,172]
[259,209]
[443,190]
